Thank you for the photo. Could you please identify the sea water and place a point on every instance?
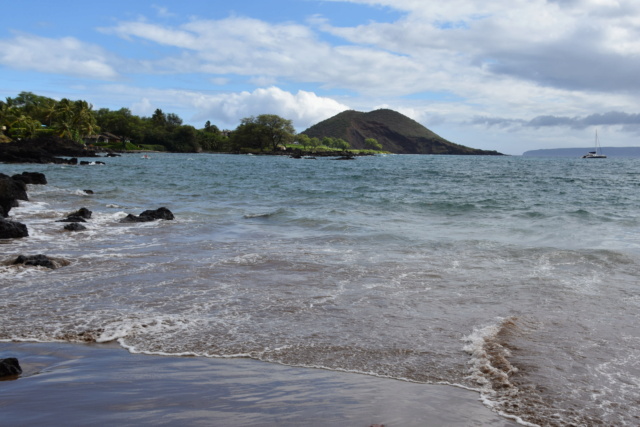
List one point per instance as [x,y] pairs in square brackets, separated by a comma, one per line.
[518,277]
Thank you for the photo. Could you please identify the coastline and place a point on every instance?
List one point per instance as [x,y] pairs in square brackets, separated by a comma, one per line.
[78,384]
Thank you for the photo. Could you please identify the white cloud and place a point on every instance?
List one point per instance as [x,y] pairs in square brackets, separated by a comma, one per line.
[143,108]
[303,108]
[582,44]
[270,52]
[263,81]
[466,48]
[163,11]
[227,109]
[66,55]
[220,81]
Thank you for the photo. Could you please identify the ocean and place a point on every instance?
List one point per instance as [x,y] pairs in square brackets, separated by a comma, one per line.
[517,277]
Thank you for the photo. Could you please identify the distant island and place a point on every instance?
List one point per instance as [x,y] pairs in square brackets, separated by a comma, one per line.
[579,152]
[395,132]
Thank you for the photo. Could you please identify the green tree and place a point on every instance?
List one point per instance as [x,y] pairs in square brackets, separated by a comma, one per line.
[247,135]
[84,119]
[212,139]
[208,127]
[23,127]
[279,131]
[184,140]
[153,135]
[159,119]
[35,106]
[373,143]
[341,144]
[173,121]
[303,140]
[73,119]
[265,130]
[62,118]
[121,123]
[5,114]
[314,143]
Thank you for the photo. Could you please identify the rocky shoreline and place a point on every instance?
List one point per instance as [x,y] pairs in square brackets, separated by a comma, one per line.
[14,188]
[46,149]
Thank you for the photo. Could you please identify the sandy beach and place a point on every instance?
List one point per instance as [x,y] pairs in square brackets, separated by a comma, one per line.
[103,384]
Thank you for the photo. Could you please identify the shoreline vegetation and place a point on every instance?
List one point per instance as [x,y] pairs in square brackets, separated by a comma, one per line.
[29,117]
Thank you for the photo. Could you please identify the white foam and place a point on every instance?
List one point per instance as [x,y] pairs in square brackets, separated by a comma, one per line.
[150,325]
[482,371]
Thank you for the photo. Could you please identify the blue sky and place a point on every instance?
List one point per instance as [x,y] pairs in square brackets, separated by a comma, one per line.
[500,74]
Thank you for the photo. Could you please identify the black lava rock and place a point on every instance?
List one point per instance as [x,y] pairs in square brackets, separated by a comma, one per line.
[12,229]
[35,261]
[9,367]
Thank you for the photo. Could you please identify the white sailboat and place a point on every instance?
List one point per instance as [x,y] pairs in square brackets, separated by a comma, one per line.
[597,154]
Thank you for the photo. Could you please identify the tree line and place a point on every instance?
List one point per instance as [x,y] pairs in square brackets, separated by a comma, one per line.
[29,115]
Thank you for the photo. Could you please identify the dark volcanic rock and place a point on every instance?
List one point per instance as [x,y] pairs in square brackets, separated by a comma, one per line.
[44,149]
[72,218]
[82,213]
[9,366]
[11,191]
[12,229]
[78,216]
[132,218]
[150,215]
[74,226]
[31,178]
[160,213]
[35,260]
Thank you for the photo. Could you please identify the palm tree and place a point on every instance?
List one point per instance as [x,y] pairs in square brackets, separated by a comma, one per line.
[24,126]
[84,119]
[5,111]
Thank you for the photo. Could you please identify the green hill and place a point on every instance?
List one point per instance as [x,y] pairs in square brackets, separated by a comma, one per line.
[396,132]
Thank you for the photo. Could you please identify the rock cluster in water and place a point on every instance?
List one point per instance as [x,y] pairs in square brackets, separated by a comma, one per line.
[35,261]
[150,215]
[81,215]
[12,229]
[13,188]
[9,367]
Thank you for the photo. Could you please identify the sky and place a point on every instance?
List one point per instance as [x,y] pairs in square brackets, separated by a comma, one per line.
[505,75]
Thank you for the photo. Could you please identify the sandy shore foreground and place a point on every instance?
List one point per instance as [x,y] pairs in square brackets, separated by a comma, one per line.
[103,384]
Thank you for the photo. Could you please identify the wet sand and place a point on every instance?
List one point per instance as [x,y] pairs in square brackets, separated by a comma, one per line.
[103,384]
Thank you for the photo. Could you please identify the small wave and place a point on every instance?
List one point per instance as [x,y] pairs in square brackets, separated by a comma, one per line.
[580,213]
[264,214]
[532,215]
[246,259]
[507,389]
[32,208]
[449,208]
[490,367]
[260,215]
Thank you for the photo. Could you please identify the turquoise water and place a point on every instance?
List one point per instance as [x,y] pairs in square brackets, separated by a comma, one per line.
[514,276]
